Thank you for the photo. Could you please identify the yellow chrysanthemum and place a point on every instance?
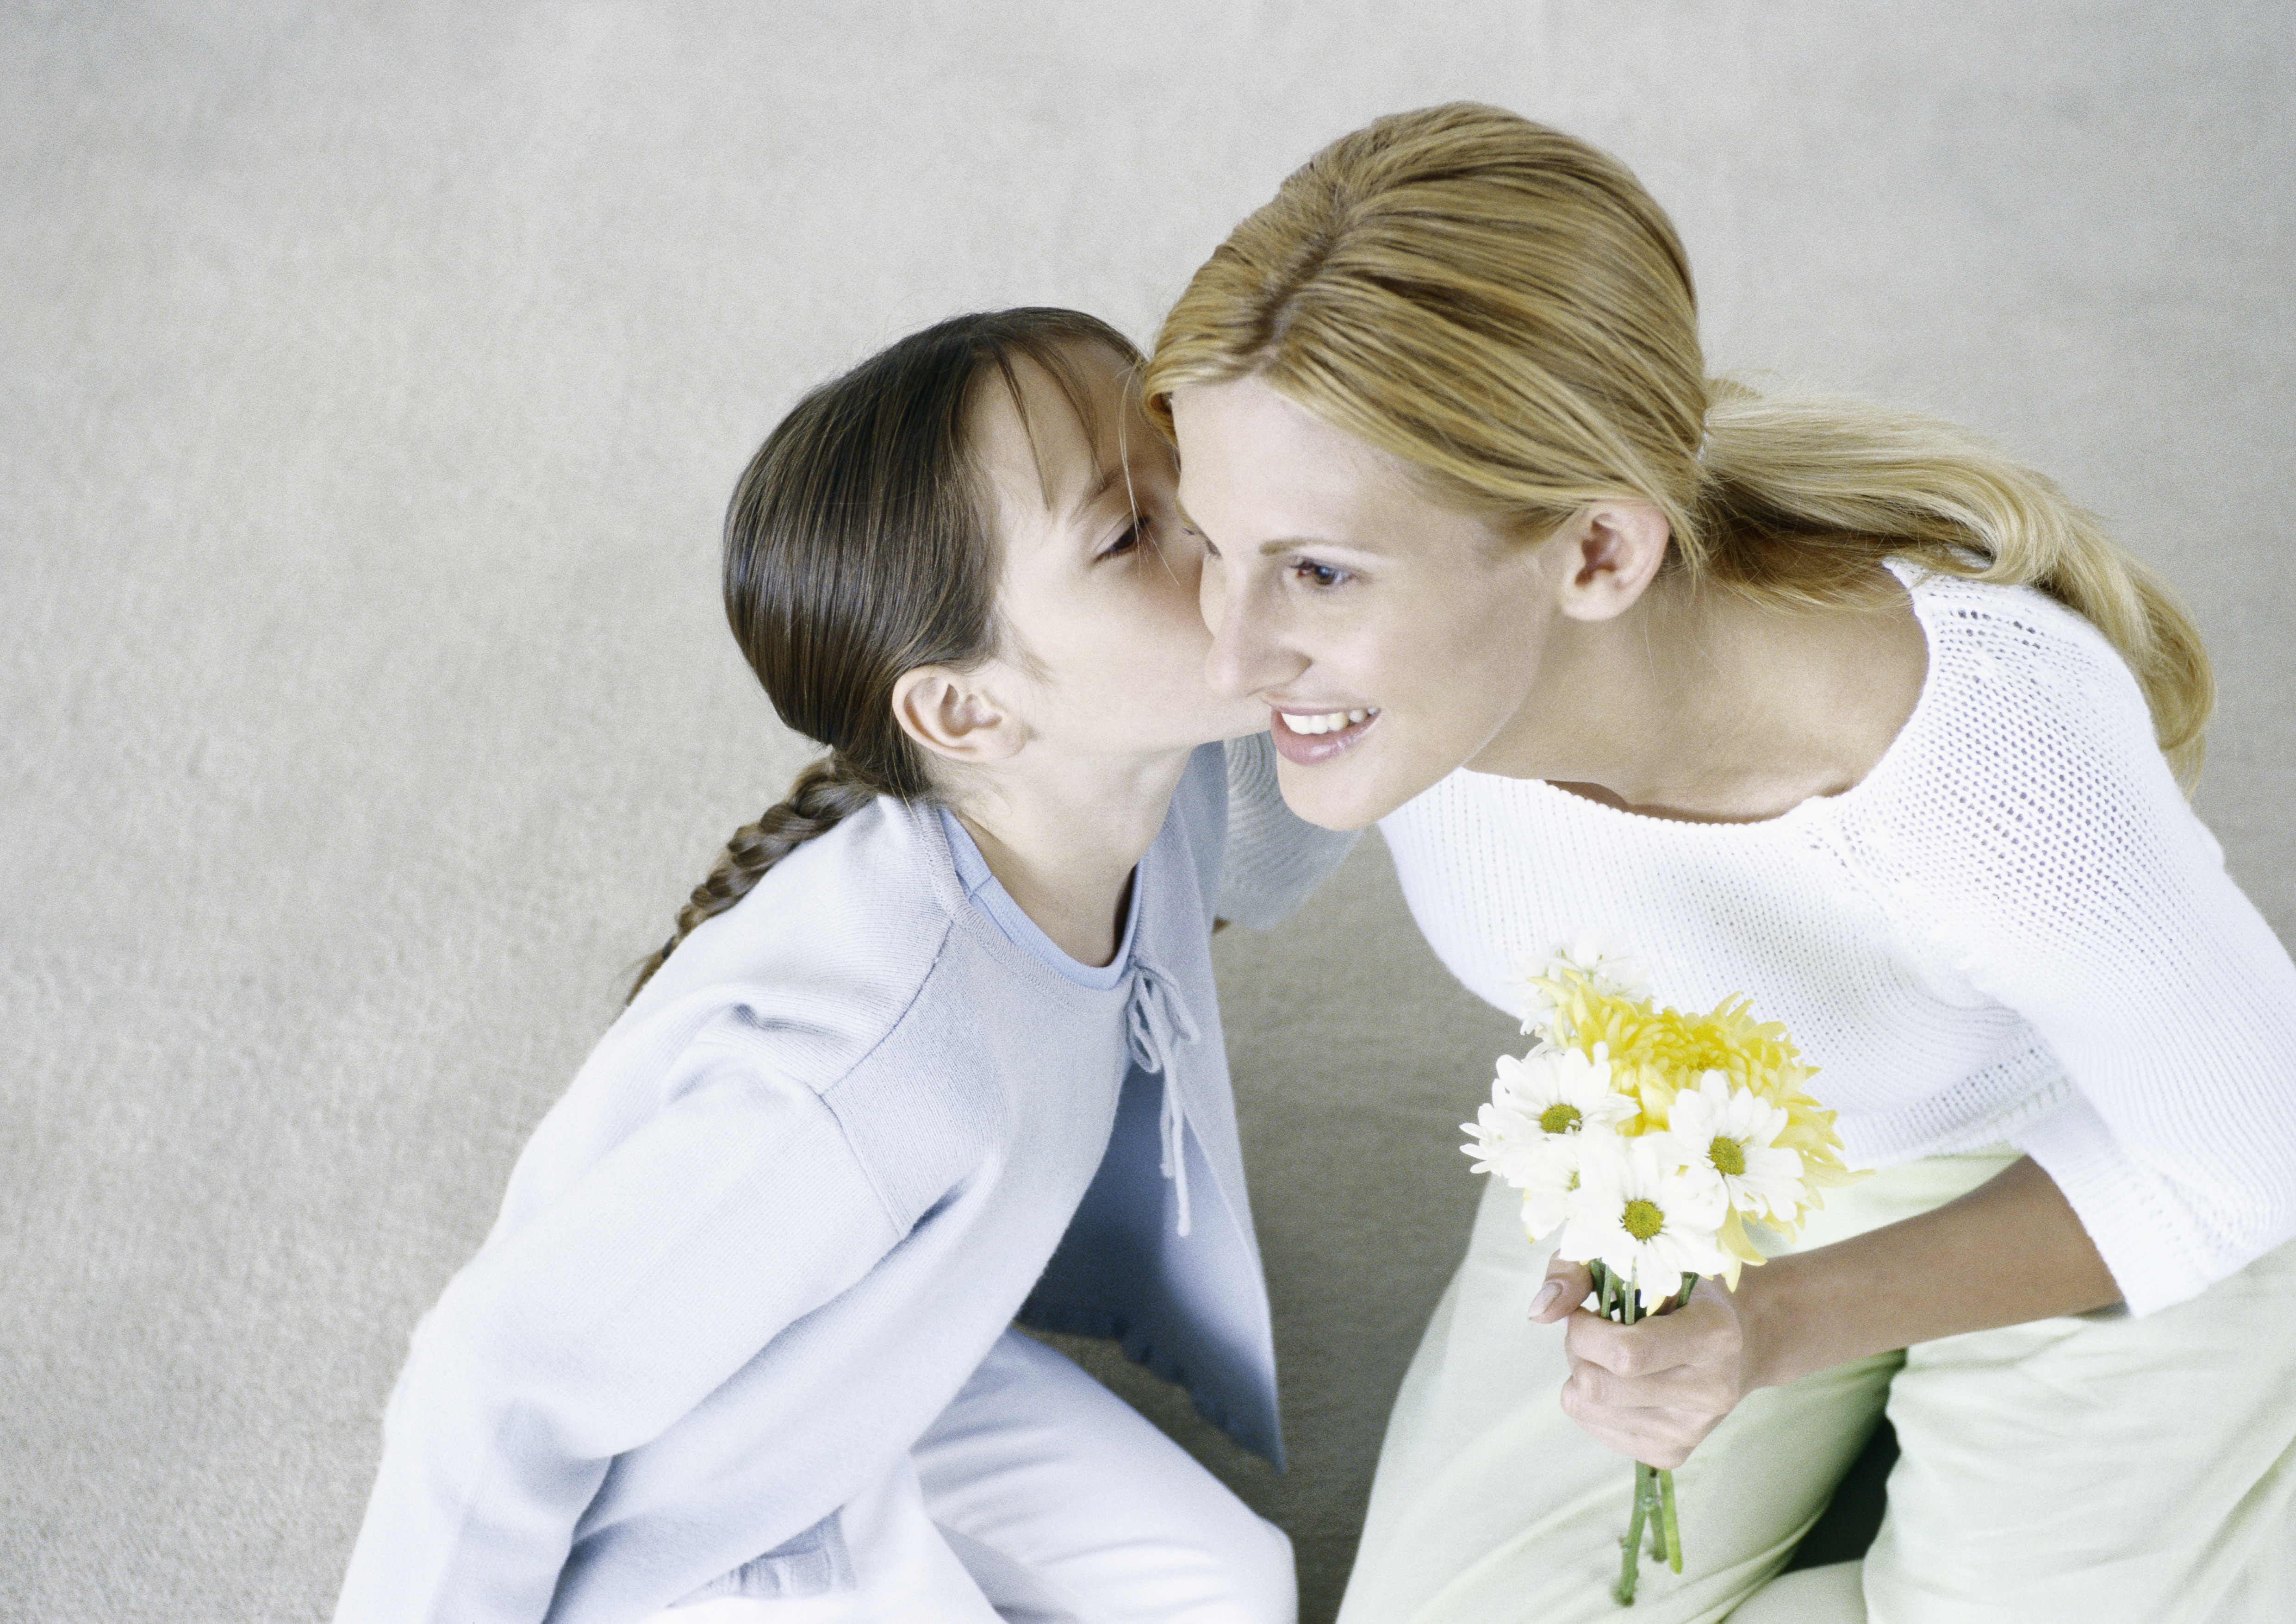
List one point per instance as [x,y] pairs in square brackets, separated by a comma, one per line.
[1654,1051]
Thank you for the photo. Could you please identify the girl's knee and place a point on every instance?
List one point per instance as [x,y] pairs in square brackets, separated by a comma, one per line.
[1269,1593]
[1243,1573]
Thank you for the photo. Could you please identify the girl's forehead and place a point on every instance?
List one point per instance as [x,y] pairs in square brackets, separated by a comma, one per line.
[1053,440]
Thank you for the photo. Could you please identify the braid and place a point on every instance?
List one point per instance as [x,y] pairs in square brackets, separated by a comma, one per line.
[824,795]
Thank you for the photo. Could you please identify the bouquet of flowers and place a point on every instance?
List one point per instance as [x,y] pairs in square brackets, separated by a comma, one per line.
[1652,1139]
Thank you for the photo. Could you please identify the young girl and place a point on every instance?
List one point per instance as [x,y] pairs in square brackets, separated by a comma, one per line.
[1809,701]
[934,1047]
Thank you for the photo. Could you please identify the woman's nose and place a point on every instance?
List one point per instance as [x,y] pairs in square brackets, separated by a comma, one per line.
[1247,655]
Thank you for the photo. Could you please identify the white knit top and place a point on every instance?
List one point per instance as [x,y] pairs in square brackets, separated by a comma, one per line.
[2012,928]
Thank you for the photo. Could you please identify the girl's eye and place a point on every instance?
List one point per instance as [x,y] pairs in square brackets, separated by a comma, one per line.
[1135,533]
[1308,572]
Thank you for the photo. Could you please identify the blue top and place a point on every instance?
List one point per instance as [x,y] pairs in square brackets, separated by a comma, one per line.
[851,1129]
[986,892]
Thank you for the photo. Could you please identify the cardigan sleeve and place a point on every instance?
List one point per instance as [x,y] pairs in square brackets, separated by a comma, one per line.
[605,1315]
[2050,854]
[1274,857]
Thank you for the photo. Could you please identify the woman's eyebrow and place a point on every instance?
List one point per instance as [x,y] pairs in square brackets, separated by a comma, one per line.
[1282,544]
[1315,543]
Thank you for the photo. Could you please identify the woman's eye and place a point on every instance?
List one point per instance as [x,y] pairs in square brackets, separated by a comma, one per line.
[1310,573]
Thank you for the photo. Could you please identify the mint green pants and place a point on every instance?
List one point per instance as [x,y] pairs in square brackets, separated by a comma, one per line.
[2083,1469]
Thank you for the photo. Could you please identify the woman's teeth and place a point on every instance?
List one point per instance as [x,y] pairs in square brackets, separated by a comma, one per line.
[1331,721]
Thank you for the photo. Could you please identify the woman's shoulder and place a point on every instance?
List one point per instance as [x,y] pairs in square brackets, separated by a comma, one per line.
[2029,760]
[2021,694]
[1983,632]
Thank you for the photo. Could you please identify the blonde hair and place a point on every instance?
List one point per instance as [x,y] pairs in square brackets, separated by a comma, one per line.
[1504,308]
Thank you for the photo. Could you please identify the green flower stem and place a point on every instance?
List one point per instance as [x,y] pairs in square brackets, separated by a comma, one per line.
[1673,1552]
[1630,1547]
[1653,1503]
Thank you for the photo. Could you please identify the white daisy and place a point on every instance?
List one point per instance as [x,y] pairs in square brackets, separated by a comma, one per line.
[1643,1214]
[1549,1095]
[1563,1090]
[1606,963]
[1550,1177]
[1504,1141]
[1733,1131]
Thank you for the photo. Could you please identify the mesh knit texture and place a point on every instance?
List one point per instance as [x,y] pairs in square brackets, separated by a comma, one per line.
[2012,928]
[1273,856]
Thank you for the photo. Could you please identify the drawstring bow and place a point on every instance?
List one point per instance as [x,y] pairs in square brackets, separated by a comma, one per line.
[1156,1020]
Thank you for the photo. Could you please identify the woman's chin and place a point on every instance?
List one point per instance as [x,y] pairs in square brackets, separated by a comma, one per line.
[1334,779]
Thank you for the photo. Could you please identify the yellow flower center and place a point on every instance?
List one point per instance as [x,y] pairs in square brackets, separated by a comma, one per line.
[1642,1219]
[1559,1118]
[1729,1156]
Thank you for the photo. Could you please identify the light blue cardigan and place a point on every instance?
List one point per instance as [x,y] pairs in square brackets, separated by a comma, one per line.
[843,1138]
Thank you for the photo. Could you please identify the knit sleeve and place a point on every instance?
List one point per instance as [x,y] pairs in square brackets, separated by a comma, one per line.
[588,1330]
[1274,856]
[2038,840]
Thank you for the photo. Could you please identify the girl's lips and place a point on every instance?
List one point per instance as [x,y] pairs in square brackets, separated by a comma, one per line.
[1313,748]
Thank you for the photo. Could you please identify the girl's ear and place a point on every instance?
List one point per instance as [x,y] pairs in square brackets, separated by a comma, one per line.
[949,713]
[1607,555]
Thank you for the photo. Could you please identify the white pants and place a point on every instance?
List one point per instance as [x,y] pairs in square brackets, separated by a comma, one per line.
[2095,1469]
[1040,1498]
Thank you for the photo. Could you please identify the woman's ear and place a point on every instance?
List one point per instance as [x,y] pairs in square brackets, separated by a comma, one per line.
[1608,555]
[950,714]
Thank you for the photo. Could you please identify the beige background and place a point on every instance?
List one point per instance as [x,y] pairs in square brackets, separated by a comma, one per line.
[371,379]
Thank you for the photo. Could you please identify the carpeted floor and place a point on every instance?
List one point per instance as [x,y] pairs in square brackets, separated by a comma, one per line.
[371,379]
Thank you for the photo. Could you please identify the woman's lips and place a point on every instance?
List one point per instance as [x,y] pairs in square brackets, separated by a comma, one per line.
[1307,738]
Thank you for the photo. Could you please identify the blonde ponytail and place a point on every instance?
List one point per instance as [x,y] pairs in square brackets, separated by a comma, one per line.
[1503,307]
[1802,493]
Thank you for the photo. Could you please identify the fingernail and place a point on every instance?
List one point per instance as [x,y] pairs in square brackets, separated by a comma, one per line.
[1545,1300]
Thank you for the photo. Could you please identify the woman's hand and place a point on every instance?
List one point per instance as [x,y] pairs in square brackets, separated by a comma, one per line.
[1655,1388]
[2010,1250]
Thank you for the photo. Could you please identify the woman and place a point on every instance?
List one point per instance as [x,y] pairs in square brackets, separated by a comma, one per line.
[1806,699]
[934,1047]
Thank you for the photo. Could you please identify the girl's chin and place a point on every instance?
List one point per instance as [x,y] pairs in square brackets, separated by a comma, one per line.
[1316,748]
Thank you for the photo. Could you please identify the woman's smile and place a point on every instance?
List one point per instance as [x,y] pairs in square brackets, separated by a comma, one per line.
[1306,738]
